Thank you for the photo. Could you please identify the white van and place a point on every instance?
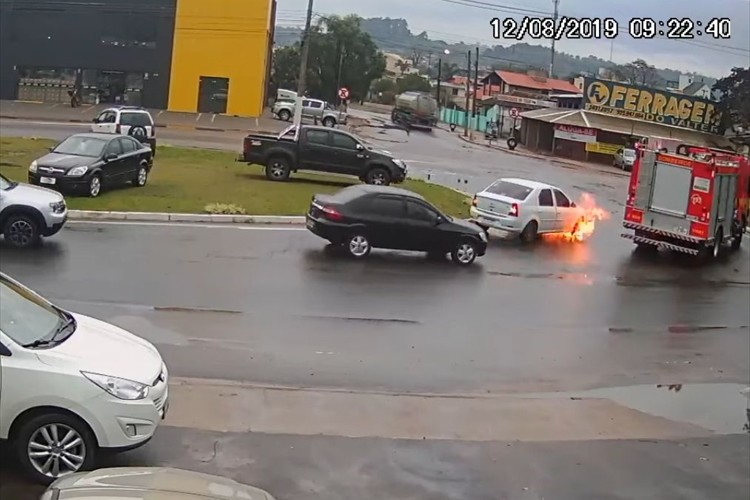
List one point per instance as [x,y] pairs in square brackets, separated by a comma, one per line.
[71,385]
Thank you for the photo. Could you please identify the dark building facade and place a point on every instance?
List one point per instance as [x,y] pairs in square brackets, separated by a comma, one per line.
[209,56]
[112,51]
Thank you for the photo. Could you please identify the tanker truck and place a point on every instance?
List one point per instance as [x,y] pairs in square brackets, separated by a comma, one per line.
[415,109]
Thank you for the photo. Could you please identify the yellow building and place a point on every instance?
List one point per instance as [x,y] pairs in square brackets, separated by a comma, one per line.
[221,56]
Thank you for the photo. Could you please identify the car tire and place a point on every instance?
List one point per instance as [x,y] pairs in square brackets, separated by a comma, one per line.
[284,115]
[378,176]
[21,230]
[95,186]
[42,426]
[530,233]
[357,245]
[138,133]
[141,176]
[278,169]
[329,122]
[465,253]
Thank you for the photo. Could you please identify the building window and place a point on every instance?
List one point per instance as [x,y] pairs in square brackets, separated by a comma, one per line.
[113,41]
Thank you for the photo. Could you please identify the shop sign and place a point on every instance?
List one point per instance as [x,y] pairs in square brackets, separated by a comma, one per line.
[577,134]
[602,148]
[652,105]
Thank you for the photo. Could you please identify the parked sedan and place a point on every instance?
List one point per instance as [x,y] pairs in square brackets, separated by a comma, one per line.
[525,209]
[86,163]
[624,159]
[72,385]
[363,217]
[150,483]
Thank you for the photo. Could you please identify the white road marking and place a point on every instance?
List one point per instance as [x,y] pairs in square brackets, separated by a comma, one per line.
[57,124]
[244,227]
[198,117]
[213,117]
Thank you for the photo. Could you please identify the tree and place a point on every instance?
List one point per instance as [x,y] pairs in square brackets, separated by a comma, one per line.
[448,70]
[413,82]
[341,54]
[285,70]
[384,90]
[417,57]
[734,102]
[403,66]
[638,72]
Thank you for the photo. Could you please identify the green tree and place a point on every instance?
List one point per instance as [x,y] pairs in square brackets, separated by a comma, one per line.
[413,82]
[341,55]
[285,70]
[734,101]
[638,72]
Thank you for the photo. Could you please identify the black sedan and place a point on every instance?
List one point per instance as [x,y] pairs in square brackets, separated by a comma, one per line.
[363,217]
[86,163]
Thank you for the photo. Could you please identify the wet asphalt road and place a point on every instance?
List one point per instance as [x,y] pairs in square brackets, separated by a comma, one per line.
[272,306]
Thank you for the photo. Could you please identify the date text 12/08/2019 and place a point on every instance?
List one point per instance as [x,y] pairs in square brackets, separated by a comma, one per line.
[584,28]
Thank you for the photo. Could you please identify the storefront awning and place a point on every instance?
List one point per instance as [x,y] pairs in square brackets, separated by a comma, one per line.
[638,128]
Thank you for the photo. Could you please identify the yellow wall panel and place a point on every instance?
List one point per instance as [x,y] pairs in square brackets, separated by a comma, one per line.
[225,39]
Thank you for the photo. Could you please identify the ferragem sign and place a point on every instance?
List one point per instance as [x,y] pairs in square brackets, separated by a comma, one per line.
[652,105]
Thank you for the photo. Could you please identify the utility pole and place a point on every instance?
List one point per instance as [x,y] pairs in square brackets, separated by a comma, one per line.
[552,56]
[338,77]
[468,88]
[476,81]
[302,80]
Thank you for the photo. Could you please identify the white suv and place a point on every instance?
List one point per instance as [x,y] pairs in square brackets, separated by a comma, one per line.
[127,120]
[29,212]
[71,385]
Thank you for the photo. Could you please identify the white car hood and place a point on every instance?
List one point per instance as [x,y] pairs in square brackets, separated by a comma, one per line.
[37,193]
[99,347]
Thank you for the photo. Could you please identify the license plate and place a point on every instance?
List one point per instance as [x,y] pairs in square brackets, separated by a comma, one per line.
[310,224]
[47,180]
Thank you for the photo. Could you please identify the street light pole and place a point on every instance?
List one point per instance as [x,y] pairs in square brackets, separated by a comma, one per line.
[439,76]
[304,54]
[468,87]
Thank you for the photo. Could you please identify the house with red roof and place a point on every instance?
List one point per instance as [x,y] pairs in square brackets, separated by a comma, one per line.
[525,85]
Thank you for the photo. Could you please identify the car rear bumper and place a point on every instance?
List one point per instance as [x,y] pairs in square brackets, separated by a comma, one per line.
[325,229]
[507,224]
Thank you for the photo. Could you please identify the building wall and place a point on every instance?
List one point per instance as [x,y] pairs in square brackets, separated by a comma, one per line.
[115,35]
[226,39]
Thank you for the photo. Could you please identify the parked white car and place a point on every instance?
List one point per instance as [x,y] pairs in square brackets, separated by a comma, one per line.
[525,208]
[127,120]
[71,385]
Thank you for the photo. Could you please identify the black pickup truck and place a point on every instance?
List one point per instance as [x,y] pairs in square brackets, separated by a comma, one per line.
[321,149]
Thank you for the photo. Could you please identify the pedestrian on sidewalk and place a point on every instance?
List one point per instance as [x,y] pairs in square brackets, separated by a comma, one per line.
[74,100]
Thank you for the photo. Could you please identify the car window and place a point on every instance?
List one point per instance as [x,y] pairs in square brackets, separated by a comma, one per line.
[24,316]
[135,119]
[419,211]
[619,152]
[509,189]
[317,137]
[561,199]
[629,153]
[81,146]
[388,206]
[114,148]
[344,141]
[545,198]
[316,104]
[127,145]
[107,117]
[305,103]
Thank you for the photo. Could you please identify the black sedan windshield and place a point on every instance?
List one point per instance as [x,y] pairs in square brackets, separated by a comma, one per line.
[81,146]
[25,317]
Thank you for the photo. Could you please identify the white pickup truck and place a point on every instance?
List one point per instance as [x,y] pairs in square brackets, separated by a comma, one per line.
[311,108]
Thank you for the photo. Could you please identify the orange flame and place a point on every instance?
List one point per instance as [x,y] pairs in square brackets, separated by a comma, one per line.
[581,224]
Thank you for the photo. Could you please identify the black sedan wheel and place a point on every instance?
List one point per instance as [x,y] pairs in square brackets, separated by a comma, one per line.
[95,186]
[21,231]
[378,177]
[465,253]
[141,177]
[358,246]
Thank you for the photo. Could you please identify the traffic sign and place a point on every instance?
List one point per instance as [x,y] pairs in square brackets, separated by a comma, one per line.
[343,93]
[514,112]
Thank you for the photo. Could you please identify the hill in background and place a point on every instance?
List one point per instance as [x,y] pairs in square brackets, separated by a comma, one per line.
[394,35]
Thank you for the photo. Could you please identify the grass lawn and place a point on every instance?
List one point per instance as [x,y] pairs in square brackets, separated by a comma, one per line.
[185,180]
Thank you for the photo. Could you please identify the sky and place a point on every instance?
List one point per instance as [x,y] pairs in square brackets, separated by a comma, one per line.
[469,21]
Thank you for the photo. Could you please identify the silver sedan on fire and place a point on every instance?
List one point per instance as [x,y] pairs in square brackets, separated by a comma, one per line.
[527,209]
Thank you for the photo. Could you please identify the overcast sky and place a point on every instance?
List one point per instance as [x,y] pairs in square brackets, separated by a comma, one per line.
[469,20]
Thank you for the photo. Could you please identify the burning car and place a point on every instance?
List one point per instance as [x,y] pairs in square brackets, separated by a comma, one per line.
[528,209]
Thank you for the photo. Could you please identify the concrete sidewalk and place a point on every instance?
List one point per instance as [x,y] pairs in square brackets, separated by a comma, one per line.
[565,162]
[62,112]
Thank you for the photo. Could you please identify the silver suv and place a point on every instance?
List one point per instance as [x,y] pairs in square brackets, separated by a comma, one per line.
[311,108]
[29,212]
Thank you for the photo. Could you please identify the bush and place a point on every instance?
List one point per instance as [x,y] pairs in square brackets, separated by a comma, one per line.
[224,209]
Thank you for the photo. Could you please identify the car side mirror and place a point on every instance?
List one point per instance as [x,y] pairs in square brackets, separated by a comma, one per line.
[360,147]
[110,157]
[439,220]
[52,149]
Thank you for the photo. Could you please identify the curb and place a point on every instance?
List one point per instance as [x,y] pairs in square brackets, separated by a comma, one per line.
[553,159]
[98,215]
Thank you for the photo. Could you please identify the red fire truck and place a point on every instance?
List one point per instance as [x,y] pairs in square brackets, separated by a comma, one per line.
[695,200]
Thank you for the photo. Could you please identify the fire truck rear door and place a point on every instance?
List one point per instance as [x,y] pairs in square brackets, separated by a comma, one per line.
[645,180]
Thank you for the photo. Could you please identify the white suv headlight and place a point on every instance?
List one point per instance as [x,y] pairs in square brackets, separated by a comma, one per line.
[119,387]
[77,171]
[33,167]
